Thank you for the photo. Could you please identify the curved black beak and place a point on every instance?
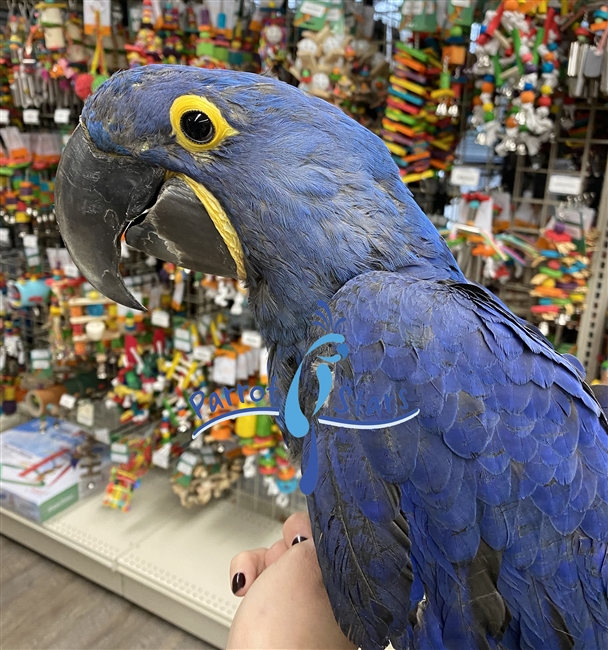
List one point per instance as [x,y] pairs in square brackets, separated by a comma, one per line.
[99,196]
[96,195]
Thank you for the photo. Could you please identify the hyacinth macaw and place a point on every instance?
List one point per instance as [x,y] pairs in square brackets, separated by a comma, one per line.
[480,523]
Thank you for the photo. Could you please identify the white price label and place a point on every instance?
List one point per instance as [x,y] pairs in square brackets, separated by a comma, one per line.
[85,414]
[251,338]
[412,7]
[31,116]
[462,3]
[33,256]
[67,401]
[5,116]
[161,318]
[189,458]
[5,236]
[566,185]
[183,346]
[31,242]
[40,364]
[120,448]
[103,435]
[71,271]
[313,9]
[182,334]
[41,354]
[468,176]
[62,116]
[120,459]
[204,353]
[224,370]
[184,468]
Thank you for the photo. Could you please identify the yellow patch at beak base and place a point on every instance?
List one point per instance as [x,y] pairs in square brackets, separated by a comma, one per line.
[221,221]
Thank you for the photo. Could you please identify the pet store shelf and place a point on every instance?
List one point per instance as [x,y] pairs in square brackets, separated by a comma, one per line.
[171,561]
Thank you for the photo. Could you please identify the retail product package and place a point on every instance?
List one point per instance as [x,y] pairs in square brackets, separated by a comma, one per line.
[42,472]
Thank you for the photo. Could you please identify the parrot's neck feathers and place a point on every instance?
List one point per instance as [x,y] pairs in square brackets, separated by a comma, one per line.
[286,284]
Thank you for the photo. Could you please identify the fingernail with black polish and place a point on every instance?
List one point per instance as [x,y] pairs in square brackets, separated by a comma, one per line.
[238,582]
[297,539]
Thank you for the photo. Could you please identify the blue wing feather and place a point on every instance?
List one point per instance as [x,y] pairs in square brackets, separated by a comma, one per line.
[489,509]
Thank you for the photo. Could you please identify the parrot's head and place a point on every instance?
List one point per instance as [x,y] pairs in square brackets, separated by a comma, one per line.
[238,175]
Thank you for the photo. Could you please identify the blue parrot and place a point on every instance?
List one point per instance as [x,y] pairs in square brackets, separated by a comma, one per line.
[481,523]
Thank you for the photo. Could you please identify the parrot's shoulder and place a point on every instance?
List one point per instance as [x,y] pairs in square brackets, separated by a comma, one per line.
[403,309]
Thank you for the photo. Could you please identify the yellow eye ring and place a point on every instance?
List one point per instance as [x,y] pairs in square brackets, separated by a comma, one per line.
[194,104]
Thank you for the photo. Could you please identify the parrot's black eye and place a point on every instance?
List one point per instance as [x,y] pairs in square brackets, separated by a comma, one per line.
[197,126]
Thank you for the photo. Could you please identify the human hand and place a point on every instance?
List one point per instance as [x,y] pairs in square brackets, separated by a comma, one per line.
[285,605]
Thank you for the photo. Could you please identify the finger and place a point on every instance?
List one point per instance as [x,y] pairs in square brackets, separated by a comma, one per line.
[245,568]
[297,529]
[275,552]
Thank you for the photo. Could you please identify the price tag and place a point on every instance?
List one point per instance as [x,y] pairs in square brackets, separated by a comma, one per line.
[251,338]
[468,176]
[184,468]
[183,346]
[187,463]
[120,447]
[85,414]
[71,271]
[183,339]
[31,242]
[5,116]
[204,353]
[31,116]
[40,364]
[413,8]
[224,370]
[120,459]
[566,185]
[32,255]
[41,359]
[314,9]
[160,318]
[5,236]
[62,116]
[67,401]
[103,435]
[189,458]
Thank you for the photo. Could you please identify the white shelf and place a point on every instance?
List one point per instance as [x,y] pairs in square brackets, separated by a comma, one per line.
[169,560]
